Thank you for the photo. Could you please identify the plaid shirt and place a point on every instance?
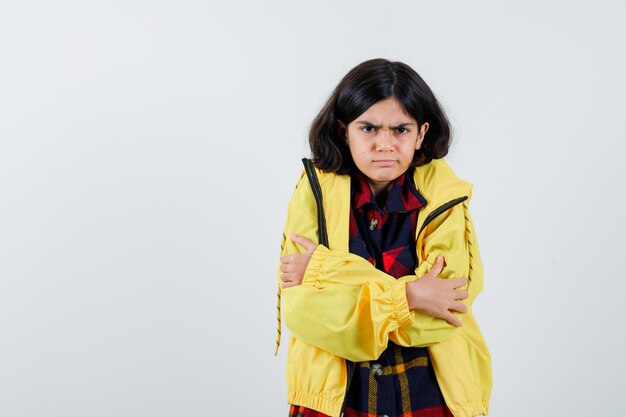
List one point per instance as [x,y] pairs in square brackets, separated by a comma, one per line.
[401,382]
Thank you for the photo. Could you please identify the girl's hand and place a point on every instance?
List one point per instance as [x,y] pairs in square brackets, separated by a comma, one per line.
[437,296]
[293,266]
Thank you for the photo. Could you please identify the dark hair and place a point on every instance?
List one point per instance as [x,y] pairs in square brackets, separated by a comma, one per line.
[366,84]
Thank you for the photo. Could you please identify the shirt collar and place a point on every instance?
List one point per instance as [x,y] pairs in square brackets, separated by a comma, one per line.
[403,196]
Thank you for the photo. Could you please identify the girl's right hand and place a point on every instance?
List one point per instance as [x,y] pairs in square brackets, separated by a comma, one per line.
[436,297]
[294,266]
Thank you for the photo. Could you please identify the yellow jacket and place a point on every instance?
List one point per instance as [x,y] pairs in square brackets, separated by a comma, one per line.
[345,308]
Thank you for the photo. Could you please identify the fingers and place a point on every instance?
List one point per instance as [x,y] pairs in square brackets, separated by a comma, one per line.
[435,271]
[293,267]
[458,282]
[304,242]
[290,280]
[287,279]
[452,319]
[458,306]
[290,276]
[288,284]
[461,295]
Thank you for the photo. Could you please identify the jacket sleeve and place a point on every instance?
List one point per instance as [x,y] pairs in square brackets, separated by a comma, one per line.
[344,306]
[349,308]
[452,235]
[351,320]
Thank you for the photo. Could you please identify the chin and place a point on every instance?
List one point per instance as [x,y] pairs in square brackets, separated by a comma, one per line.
[387,177]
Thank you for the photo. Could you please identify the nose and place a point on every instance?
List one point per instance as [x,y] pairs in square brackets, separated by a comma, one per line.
[384,141]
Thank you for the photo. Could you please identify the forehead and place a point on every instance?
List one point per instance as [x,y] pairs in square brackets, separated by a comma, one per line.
[389,110]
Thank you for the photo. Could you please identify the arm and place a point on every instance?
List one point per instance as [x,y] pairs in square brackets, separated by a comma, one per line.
[334,274]
[351,319]
[430,294]
[348,307]
[450,234]
[453,235]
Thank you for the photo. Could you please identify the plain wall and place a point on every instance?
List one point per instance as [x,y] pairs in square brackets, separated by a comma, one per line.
[148,150]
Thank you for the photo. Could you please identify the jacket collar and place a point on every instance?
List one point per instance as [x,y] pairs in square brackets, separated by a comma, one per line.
[435,181]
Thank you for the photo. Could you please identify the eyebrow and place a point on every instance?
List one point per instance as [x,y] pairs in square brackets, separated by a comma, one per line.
[366,123]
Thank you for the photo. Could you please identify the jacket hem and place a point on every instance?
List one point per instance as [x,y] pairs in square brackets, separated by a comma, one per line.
[315,402]
[470,409]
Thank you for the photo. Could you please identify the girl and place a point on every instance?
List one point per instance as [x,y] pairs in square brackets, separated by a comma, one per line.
[379,261]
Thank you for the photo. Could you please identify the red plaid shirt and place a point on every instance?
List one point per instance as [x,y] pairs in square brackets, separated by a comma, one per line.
[401,382]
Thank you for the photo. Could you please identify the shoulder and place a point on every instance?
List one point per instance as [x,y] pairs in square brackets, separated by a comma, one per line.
[328,181]
[302,195]
[437,179]
[335,192]
[436,169]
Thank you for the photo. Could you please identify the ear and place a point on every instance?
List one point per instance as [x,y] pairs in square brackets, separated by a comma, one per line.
[421,135]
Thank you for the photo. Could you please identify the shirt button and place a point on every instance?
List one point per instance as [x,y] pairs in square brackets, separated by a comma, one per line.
[377,370]
[373,223]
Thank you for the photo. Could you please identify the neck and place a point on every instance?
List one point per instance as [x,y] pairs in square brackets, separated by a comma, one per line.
[380,190]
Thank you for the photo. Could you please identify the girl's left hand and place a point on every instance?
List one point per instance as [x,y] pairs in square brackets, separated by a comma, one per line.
[293,266]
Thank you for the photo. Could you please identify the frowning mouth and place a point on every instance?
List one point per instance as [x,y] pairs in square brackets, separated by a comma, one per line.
[384,162]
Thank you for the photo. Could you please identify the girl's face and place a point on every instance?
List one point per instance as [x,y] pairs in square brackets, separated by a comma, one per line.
[382,142]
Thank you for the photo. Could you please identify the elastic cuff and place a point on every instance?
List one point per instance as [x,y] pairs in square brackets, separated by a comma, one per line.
[401,305]
[312,272]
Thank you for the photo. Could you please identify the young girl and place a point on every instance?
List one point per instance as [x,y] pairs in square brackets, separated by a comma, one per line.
[380,315]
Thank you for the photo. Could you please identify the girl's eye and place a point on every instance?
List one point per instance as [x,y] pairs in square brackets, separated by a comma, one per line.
[401,130]
[368,129]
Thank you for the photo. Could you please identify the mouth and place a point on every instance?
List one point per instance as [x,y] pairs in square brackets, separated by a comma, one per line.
[384,162]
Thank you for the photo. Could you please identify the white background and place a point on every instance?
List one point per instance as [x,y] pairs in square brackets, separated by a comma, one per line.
[148,150]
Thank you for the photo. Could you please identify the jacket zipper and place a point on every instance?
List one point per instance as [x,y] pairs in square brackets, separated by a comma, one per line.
[317,193]
[350,372]
[323,237]
[439,210]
